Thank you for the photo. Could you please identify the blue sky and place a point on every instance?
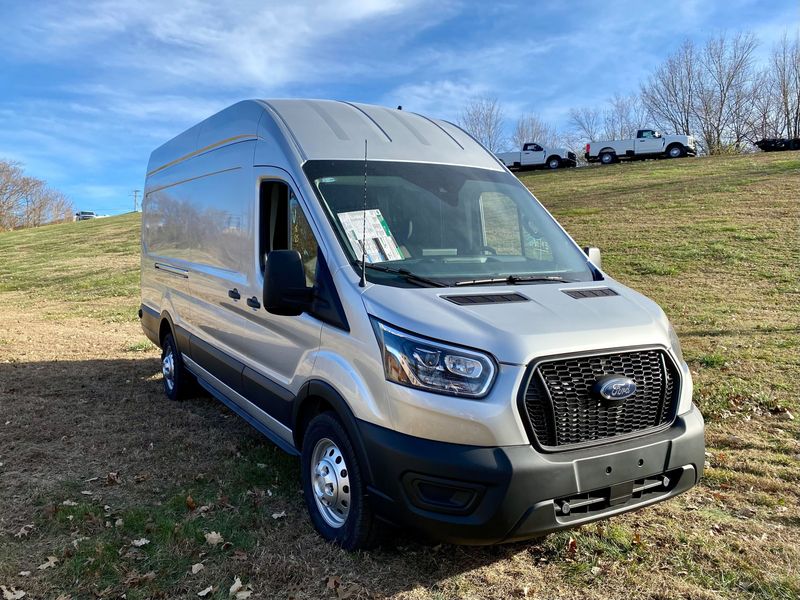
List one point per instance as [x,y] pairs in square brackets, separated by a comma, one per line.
[88,89]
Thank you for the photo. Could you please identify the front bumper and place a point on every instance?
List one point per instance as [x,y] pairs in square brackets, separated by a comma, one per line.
[480,495]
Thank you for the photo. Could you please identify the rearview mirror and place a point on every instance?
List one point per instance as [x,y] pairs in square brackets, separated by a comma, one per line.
[285,291]
[594,256]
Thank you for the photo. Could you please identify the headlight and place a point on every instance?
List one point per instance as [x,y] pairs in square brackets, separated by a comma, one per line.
[675,343]
[433,366]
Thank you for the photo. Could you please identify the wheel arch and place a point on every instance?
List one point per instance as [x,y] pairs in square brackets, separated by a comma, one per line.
[316,397]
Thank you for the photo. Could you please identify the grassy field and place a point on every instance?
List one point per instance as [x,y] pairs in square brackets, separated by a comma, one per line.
[106,488]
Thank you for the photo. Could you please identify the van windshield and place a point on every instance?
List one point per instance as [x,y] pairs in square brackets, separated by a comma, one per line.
[429,224]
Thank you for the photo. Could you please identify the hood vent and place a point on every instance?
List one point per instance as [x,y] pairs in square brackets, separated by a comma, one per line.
[590,293]
[468,300]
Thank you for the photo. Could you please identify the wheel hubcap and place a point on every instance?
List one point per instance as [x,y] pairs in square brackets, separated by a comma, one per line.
[168,369]
[330,482]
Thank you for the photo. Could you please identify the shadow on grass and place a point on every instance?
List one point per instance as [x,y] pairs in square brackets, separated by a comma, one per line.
[71,423]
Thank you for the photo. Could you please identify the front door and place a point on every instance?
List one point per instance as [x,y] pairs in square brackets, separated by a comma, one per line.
[648,143]
[278,351]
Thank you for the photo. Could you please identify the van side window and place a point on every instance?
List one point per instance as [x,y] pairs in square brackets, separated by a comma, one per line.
[284,226]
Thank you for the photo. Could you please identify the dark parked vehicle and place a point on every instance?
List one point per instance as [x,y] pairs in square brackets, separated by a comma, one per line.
[778,144]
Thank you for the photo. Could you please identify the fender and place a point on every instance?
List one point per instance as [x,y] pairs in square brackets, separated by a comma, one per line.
[308,403]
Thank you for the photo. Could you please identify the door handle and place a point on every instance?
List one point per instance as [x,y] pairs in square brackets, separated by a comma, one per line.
[234,293]
[253,302]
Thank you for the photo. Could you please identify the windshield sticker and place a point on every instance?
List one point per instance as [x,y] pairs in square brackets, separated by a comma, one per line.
[380,245]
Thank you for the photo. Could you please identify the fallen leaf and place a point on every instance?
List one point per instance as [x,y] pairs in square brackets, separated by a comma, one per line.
[135,579]
[69,503]
[190,503]
[24,573]
[113,478]
[239,555]
[197,567]
[596,571]
[24,531]
[213,538]
[344,592]
[206,591]
[572,547]
[261,465]
[333,582]
[279,515]
[237,586]
[140,542]
[243,595]
[51,562]
[87,492]
[118,523]
[12,593]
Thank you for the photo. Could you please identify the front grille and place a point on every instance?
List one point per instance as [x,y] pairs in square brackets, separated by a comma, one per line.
[563,410]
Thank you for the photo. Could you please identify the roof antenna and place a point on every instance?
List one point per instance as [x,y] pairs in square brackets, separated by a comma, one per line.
[363,282]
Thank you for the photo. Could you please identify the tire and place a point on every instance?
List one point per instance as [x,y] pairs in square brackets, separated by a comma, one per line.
[334,489]
[553,162]
[177,380]
[676,151]
[607,158]
[794,144]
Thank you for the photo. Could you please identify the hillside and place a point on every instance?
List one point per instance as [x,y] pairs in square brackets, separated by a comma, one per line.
[90,442]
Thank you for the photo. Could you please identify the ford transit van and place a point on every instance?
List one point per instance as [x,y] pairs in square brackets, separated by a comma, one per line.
[376,293]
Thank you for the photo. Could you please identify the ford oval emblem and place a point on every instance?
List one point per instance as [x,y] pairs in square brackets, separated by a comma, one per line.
[614,389]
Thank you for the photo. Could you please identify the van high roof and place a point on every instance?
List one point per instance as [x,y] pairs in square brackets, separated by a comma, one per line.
[327,129]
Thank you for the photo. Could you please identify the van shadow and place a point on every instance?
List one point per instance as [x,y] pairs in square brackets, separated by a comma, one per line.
[72,421]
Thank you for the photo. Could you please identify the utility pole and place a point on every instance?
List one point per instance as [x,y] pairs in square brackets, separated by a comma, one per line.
[135,195]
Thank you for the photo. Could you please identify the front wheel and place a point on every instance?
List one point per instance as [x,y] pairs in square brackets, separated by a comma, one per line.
[554,163]
[334,488]
[676,152]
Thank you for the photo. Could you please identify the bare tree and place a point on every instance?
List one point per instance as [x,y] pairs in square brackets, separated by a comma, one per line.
[27,201]
[623,116]
[483,118]
[586,122]
[785,78]
[668,95]
[531,128]
[721,99]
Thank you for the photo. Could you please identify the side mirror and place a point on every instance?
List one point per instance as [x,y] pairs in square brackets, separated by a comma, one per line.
[285,291]
[594,256]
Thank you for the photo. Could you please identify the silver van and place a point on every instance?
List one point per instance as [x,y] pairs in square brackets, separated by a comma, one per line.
[376,293]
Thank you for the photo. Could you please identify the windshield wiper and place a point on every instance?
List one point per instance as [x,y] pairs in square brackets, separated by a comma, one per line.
[408,275]
[513,280]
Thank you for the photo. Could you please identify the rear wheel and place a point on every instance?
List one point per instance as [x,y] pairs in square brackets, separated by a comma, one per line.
[606,158]
[177,380]
[334,488]
[553,162]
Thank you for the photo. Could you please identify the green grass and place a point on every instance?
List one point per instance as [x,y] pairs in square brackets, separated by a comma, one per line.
[86,266]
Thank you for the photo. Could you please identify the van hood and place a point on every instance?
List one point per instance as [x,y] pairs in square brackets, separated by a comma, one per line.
[548,321]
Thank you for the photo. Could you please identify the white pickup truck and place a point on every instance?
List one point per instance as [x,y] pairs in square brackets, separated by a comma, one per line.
[648,143]
[536,155]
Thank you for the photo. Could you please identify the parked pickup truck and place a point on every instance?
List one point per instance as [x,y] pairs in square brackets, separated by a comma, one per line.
[648,143]
[535,155]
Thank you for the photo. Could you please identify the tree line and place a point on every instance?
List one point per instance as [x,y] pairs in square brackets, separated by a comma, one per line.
[715,91]
[29,202]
